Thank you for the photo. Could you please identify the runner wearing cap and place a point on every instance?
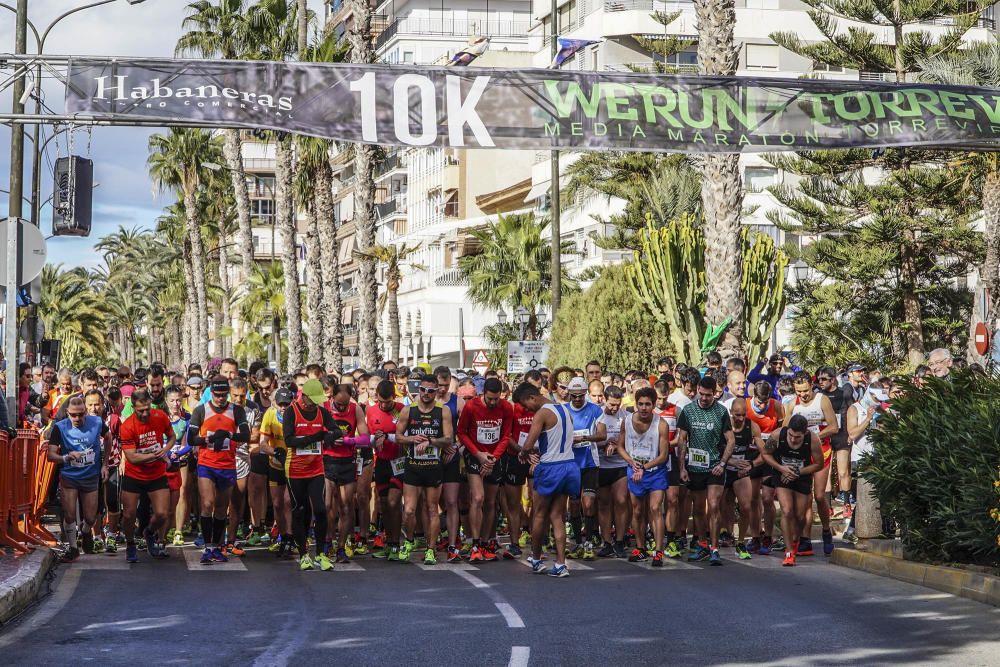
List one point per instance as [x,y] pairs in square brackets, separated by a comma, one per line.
[272,445]
[216,427]
[192,396]
[775,365]
[587,432]
[339,459]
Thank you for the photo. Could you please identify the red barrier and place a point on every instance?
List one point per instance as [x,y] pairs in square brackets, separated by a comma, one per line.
[25,475]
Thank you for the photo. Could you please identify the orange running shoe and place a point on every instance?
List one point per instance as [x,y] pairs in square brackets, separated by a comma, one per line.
[233,550]
[789,559]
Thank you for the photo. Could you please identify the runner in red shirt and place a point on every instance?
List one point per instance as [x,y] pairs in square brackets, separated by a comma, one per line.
[390,463]
[484,430]
[515,474]
[146,437]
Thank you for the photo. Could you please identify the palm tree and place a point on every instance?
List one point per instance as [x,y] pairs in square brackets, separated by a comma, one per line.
[72,308]
[265,297]
[362,52]
[222,30]
[722,185]
[312,155]
[512,267]
[978,65]
[217,205]
[395,259]
[175,161]
[171,226]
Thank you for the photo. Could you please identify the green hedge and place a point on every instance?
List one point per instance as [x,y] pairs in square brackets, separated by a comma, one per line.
[935,469]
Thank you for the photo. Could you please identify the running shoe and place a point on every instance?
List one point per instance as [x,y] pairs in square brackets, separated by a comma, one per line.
[524,539]
[672,550]
[154,549]
[348,549]
[575,554]
[361,548]
[275,546]
[851,537]
[254,540]
[537,566]
[393,556]
[512,552]
[789,559]
[429,557]
[842,498]
[305,563]
[476,555]
[607,550]
[379,541]
[161,551]
[324,562]
[657,559]
[454,555]
[827,542]
[779,544]
[199,540]
[753,545]
[558,571]
[805,547]
[715,559]
[725,539]
[588,551]
[620,550]
[71,555]
[638,556]
[342,556]
[682,543]
[380,553]
[405,551]
[765,546]
[88,543]
[178,539]
[700,553]
[98,544]
[131,553]
[442,544]
[150,537]
[420,543]
[206,557]
[234,550]
[110,544]
[650,544]
[218,556]
[490,551]
[741,552]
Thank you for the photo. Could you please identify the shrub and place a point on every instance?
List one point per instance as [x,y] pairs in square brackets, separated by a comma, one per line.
[935,469]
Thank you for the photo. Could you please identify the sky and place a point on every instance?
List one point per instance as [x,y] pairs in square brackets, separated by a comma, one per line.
[124,196]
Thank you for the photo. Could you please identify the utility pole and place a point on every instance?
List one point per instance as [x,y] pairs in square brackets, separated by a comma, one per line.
[554,190]
[14,212]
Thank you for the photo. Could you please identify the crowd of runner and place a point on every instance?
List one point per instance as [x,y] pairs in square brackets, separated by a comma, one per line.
[576,463]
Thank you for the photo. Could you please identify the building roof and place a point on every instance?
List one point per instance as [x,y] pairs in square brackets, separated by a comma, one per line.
[505,200]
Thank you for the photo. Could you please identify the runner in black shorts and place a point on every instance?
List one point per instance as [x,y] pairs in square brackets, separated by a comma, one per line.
[739,475]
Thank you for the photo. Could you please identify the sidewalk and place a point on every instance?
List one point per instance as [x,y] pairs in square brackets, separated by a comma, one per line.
[21,579]
[885,558]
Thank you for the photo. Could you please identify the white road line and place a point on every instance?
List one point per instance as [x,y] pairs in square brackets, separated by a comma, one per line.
[572,565]
[474,580]
[65,587]
[668,564]
[193,556]
[444,567]
[513,620]
[519,656]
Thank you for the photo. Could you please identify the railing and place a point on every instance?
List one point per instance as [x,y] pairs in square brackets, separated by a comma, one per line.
[683,68]
[451,209]
[390,163]
[448,25]
[871,76]
[450,278]
[348,293]
[394,206]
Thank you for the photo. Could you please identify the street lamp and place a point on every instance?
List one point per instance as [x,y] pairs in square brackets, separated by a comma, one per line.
[801,272]
[522,316]
[501,316]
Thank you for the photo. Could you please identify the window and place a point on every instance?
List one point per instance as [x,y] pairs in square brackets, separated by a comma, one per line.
[762,4]
[762,56]
[262,211]
[824,67]
[758,179]
[682,61]
[407,57]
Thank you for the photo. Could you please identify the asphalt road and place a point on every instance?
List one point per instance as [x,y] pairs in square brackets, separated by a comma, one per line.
[264,612]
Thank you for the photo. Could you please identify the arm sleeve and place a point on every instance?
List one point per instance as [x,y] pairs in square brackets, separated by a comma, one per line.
[464,420]
[242,426]
[288,429]
[194,428]
[755,373]
[55,438]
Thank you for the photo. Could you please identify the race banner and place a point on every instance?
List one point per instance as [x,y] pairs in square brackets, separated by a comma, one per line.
[535,109]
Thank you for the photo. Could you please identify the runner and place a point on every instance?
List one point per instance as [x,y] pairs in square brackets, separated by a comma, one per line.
[556,476]
[272,445]
[644,444]
[238,390]
[484,429]
[451,459]
[79,443]
[795,455]
[705,441]
[587,433]
[767,413]
[382,417]
[679,501]
[177,470]
[257,482]
[340,463]
[822,420]
[215,427]
[423,431]
[516,472]
[612,492]
[841,399]
[739,476]
[146,437]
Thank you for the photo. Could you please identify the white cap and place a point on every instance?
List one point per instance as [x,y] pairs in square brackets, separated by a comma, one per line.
[577,384]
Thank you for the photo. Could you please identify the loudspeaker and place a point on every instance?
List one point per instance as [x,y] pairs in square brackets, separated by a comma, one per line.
[71,196]
[49,350]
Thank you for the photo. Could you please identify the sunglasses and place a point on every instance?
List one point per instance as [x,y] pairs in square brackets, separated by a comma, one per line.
[427,390]
[824,379]
[76,415]
[577,395]
[561,386]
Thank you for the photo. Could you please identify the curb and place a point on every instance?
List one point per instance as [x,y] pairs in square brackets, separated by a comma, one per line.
[972,585]
[20,590]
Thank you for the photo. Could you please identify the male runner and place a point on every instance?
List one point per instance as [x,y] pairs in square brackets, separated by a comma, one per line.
[146,437]
[796,455]
[238,394]
[612,492]
[767,413]
[177,472]
[484,429]
[272,445]
[745,457]
[340,462]
[705,441]
[586,434]
[423,430]
[257,482]
[556,477]
[382,417]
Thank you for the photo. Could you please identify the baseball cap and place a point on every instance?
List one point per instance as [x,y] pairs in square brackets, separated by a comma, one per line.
[314,390]
[856,367]
[577,384]
[219,385]
[284,396]
[774,358]
[195,381]
[139,376]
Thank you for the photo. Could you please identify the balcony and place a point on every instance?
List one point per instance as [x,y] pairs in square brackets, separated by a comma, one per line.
[450,278]
[389,164]
[679,68]
[446,24]
[390,208]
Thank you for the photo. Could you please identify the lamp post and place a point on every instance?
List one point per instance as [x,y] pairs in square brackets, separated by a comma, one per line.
[522,316]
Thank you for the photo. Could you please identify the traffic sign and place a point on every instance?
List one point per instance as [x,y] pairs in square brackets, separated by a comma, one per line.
[481,362]
[981,336]
[526,355]
[31,249]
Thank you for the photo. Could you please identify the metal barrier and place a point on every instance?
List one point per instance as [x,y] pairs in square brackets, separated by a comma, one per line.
[25,476]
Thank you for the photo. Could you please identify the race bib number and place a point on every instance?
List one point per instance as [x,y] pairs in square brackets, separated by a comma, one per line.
[430,454]
[312,449]
[225,443]
[839,421]
[147,450]
[488,435]
[398,466]
[640,448]
[521,439]
[698,458]
[794,464]
[87,458]
[582,433]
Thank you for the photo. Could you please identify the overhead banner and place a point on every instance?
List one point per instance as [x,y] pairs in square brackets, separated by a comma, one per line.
[536,109]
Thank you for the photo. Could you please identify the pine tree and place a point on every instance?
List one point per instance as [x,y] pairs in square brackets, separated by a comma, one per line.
[891,222]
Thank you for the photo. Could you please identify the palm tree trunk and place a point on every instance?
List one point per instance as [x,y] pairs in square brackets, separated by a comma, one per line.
[314,285]
[225,340]
[722,186]
[244,236]
[198,270]
[330,307]
[360,38]
[285,210]
[174,354]
[912,314]
[276,338]
[990,271]
[303,27]
[392,305]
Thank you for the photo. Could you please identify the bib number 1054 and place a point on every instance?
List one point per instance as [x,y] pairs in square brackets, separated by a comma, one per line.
[460,112]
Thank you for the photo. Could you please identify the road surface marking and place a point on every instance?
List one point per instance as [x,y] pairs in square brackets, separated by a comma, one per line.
[513,620]
[443,567]
[192,558]
[474,580]
[519,656]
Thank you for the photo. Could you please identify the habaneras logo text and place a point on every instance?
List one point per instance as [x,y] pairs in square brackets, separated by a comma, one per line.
[117,88]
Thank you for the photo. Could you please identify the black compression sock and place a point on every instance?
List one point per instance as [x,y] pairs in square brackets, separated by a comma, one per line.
[219,530]
[207,529]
